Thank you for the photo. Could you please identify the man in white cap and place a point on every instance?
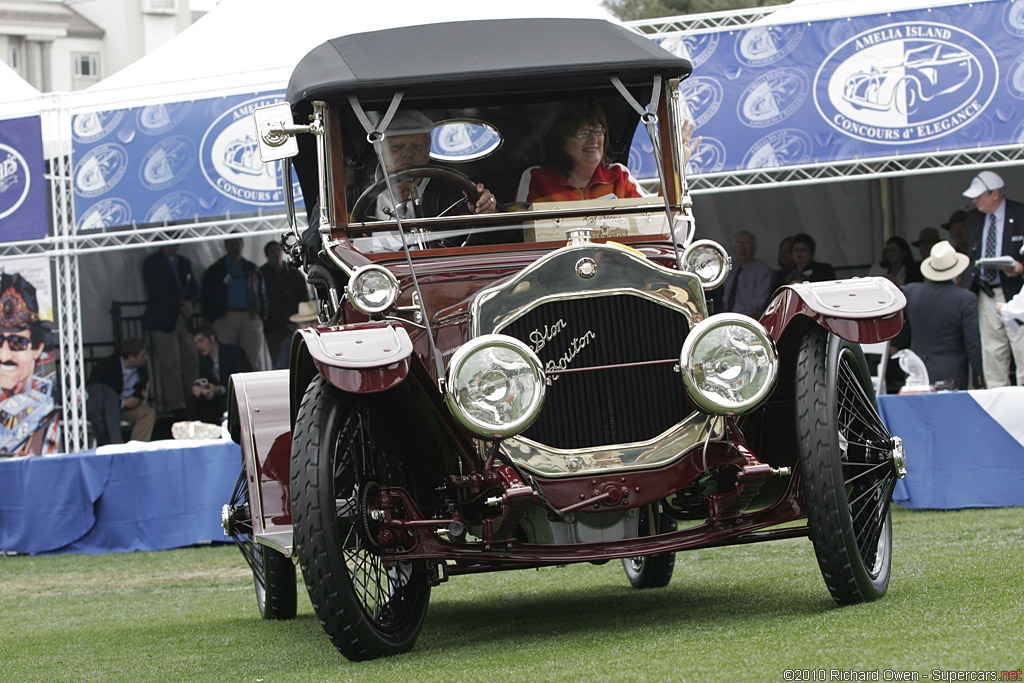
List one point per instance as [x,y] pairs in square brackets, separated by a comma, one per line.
[407,144]
[943,320]
[995,227]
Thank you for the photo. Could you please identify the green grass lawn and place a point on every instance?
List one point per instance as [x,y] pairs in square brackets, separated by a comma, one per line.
[956,603]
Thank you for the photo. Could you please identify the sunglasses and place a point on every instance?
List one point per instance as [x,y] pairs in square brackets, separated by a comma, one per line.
[15,342]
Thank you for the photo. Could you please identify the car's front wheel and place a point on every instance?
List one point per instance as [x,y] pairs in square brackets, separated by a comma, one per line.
[849,464]
[343,450]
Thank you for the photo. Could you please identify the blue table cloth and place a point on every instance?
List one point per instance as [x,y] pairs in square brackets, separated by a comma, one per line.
[167,496]
[964,448]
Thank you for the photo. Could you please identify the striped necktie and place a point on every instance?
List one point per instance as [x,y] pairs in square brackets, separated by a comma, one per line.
[988,274]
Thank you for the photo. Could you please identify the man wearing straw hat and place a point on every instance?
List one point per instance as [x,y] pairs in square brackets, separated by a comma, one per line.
[943,319]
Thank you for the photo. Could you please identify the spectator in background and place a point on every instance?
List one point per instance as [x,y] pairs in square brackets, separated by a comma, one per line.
[235,301]
[170,292]
[897,264]
[995,227]
[217,362]
[805,268]
[943,320]
[926,239]
[750,281]
[117,391]
[285,287]
[785,259]
[305,316]
[957,227]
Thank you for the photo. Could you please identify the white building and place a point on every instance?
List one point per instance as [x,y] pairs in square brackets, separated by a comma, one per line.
[61,45]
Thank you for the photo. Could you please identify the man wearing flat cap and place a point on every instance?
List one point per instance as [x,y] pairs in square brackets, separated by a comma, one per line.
[995,227]
[406,144]
[30,420]
[943,320]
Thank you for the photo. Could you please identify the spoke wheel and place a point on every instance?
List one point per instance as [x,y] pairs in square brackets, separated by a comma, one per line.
[342,452]
[651,571]
[273,574]
[849,465]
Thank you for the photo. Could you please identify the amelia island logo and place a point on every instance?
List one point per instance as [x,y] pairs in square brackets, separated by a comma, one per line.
[100,169]
[785,147]
[157,119]
[14,180]
[697,48]
[95,125]
[167,162]
[905,83]
[773,97]
[768,44]
[230,160]
[703,96]
[106,213]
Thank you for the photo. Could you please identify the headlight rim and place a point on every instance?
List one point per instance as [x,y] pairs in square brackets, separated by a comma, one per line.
[699,331]
[726,259]
[392,282]
[474,426]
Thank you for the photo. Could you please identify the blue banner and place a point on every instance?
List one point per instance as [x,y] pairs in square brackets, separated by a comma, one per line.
[171,162]
[874,86]
[23,214]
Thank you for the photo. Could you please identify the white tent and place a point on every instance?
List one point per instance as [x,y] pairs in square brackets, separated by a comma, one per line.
[17,96]
[250,45]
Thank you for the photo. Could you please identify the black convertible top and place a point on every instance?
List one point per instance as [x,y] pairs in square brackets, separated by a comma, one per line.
[481,57]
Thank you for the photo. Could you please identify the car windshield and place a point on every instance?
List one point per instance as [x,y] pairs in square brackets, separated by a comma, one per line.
[492,145]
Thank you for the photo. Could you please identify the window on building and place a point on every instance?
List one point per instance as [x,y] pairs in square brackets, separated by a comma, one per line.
[14,58]
[161,6]
[86,64]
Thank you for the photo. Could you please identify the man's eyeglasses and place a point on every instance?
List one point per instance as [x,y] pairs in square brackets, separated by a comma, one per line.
[584,133]
[16,342]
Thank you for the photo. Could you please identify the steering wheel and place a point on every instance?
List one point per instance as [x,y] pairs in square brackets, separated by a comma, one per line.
[456,178]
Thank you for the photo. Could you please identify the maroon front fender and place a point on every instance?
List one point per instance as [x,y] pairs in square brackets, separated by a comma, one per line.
[360,358]
[864,310]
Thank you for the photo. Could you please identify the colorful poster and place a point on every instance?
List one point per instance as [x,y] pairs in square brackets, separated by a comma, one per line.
[30,409]
[866,87]
[173,162]
[23,214]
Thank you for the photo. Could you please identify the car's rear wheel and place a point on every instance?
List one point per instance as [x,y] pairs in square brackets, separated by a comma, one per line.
[273,574]
[342,452]
[651,571]
[849,464]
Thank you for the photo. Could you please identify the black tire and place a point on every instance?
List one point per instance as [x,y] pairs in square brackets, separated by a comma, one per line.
[651,571]
[273,574]
[342,448]
[846,463]
[275,585]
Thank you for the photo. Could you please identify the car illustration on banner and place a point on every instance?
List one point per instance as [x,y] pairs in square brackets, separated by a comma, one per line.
[463,140]
[925,73]
[905,83]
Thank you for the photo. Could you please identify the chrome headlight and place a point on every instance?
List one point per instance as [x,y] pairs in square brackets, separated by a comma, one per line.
[708,260]
[729,364]
[372,289]
[495,386]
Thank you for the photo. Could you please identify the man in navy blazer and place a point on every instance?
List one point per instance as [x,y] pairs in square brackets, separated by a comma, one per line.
[943,320]
[995,227]
[171,290]
[217,362]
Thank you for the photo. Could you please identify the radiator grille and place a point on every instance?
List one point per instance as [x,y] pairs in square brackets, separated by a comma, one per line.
[613,405]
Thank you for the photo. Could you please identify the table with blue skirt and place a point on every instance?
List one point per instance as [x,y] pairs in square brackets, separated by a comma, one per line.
[133,496]
[964,449]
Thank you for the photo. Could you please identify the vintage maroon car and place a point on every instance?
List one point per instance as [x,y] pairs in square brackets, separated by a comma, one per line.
[545,383]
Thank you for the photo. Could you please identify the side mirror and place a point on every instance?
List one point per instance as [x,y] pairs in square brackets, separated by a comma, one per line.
[275,132]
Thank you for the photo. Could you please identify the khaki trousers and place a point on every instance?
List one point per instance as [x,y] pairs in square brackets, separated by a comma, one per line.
[998,344]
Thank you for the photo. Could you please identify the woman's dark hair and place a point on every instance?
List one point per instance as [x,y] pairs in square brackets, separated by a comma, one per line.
[909,264]
[804,238]
[571,117]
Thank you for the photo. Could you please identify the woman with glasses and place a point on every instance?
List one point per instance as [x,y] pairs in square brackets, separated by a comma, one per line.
[577,165]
